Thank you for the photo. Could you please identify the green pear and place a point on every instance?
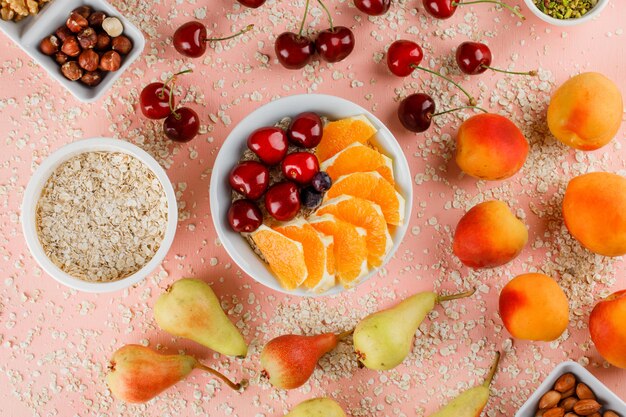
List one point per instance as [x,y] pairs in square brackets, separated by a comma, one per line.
[317,407]
[382,340]
[190,309]
[470,403]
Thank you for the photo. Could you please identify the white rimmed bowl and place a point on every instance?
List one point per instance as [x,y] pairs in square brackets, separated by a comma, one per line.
[267,115]
[606,397]
[29,32]
[33,192]
[567,22]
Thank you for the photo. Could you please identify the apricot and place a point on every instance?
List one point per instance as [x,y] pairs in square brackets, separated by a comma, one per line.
[489,235]
[607,329]
[490,147]
[586,111]
[534,307]
[594,210]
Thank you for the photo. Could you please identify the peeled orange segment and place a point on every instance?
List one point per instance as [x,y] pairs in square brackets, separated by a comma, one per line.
[341,133]
[284,256]
[315,248]
[366,215]
[373,187]
[358,158]
[350,247]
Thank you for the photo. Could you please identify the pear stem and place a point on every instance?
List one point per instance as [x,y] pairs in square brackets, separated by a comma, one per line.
[492,371]
[345,334]
[231,384]
[472,100]
[532,73]
[234,35]
[465,294]
[506,6]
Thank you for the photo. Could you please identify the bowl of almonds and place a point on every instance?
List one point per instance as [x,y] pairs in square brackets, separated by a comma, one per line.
[572,391]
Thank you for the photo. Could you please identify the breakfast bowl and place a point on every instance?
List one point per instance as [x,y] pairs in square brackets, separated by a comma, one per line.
[166,198]
[591,14]
[609,400]
[332,108]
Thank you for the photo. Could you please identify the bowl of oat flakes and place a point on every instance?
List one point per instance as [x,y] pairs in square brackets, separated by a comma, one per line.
[99,215]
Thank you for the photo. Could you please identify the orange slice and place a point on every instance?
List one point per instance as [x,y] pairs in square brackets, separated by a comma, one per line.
[316,248]
[350,247]
[358,158]
[284,256]
[341,133]
[373,187]
[366,215]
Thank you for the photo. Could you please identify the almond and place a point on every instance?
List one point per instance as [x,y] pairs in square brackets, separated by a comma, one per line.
[596,415]
[571,415]
[587,407]
[610,413]
[554,412]
[550,399]
[565,382]
[568,403]
[569,392]
[584,393]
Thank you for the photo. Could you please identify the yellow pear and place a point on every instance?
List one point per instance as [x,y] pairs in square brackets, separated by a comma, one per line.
[317,407]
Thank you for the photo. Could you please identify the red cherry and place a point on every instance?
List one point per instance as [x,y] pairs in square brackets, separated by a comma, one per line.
[300,167]
[269,144]
[244,216]
[416,111]
[293,51]
[154,101]
[335,44]
[306,130]
[182,125]
[440,9]
[282,202]
[373,7]
[253,4]
[473,57]
[403,56]
[191,38]
[250,179]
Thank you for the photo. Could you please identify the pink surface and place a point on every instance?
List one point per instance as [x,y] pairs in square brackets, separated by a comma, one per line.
[55,343]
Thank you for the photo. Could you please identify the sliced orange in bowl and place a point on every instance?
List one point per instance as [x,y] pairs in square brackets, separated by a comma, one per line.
[358,158]
[366,215]
[341,133]
[284,256]
[373,187]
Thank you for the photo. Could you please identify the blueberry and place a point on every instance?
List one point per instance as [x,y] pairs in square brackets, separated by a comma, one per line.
[310,198]
[321,182]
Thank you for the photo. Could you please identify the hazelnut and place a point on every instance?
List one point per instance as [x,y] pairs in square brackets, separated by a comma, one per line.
[84,11]
[113,26]
[76,22]
[71,71]
[89,60]
[63,33]
[50,45]
[110,61]
[91,79]
[71,46]
[61,58]
[103,41]
[96,19]
[121,44]
[87,38]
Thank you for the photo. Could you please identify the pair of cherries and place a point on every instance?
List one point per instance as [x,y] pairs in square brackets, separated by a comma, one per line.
[157,102]
[295,51]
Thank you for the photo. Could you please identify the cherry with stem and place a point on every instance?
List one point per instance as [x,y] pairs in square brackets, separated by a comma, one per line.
[154,100]
[182,125]
[475,58]
[336,43]
[444,9]
[191,38]
[293,50]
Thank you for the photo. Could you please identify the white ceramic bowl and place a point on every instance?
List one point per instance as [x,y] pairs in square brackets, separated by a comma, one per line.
[29,32]
[567,22]
[267,115]
[33,192]
[608,399]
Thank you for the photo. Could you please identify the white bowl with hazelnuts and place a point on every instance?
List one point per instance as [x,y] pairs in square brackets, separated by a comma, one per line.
[86,45]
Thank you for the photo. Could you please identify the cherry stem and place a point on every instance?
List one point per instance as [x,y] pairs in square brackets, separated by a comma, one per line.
[472,100]
[172,80]
[492,371]
[532,73]
[330,18]
[171,104]
[457,109]
[306,12]
[506,6]
[234,35]
[231,384]
[465,294]
[345,334]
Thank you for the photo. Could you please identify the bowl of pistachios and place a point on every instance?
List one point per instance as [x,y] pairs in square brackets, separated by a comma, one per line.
[566,12]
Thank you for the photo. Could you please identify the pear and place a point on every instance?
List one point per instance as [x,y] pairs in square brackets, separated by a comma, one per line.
[382,340]
[317,407]
[138,374]
[288,361]
[190,309]
[470,403]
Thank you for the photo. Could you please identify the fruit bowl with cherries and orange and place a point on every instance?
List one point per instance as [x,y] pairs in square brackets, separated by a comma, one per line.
[311,195]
